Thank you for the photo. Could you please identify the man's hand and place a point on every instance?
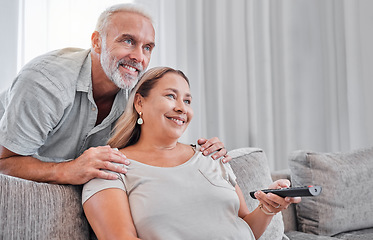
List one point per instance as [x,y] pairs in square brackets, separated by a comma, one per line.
[91,164]
[214,145]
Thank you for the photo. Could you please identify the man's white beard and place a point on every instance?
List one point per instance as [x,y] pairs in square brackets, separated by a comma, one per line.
[111,65]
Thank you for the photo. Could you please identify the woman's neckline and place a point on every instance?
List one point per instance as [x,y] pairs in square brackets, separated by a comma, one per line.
[195,155]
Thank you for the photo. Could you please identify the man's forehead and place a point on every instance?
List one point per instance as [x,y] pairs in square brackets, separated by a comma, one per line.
[130,17]
[133,24]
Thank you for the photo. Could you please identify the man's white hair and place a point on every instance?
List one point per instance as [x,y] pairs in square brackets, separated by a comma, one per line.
[104,18]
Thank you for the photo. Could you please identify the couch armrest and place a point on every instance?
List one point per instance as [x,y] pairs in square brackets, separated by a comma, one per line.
[250,166]
[288,215]
[280,174]
[31,210]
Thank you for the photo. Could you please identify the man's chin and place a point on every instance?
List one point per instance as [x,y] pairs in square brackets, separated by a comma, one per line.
[126,84]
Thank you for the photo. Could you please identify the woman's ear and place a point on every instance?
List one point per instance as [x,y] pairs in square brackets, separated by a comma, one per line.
[138,102]
[96,41]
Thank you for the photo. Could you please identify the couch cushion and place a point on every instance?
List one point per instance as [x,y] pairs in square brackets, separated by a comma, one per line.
[295,235]
[31,210]
[251,168]
[345,203]
[364,234]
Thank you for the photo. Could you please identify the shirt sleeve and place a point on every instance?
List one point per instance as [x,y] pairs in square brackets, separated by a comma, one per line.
[97,184]
[33,108]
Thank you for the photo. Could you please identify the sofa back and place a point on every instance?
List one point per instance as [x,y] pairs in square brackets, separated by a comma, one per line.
[31,210]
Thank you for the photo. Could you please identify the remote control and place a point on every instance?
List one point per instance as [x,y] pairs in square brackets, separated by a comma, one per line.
[305,191]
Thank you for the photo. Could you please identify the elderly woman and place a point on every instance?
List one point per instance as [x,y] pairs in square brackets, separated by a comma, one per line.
[171,191]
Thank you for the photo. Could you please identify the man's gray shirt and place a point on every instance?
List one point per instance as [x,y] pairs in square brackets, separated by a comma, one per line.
[49,111]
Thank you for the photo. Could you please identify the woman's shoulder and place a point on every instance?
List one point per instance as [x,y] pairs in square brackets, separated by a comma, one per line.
[188,146]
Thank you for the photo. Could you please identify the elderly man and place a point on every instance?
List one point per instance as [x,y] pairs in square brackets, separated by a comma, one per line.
[61,108]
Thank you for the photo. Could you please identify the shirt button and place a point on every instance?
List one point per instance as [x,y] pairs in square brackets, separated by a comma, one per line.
[93,109]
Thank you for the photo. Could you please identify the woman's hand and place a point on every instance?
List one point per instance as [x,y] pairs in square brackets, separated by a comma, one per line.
[214,145]
[273,203]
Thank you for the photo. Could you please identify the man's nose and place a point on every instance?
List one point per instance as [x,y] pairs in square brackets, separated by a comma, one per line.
[137,54]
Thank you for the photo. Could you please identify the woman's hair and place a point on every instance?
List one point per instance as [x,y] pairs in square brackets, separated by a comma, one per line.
[105,16]
[126,131]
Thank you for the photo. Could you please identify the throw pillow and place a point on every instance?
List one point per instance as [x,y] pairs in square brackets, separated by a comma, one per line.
[345,203]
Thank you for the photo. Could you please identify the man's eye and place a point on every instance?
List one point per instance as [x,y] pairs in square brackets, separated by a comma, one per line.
[128,41]
[147,48]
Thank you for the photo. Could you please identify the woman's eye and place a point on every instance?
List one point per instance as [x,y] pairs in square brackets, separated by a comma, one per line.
[171,96]
[187,101]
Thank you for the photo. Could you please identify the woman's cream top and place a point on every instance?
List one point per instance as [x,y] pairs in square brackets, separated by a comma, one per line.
[195,200]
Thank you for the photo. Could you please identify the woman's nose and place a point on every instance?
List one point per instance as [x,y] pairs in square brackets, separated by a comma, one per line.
[180,106]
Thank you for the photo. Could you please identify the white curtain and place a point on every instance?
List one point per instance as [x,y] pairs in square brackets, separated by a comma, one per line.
[279,75]
[8,42]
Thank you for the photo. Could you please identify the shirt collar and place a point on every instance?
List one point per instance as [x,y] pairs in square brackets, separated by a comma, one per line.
[84,83]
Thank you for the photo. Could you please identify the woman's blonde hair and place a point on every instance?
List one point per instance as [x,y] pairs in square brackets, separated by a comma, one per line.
[126,131]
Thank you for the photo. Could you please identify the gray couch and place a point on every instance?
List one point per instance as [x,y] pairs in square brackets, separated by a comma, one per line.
[30,210]
[344,210]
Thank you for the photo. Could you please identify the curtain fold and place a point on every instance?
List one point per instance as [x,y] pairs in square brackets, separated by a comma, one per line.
[281,75]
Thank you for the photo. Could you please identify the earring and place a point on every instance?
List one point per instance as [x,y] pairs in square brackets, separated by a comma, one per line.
[140,120]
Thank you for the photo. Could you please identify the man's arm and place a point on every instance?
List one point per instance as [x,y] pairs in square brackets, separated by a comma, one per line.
[78,171]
